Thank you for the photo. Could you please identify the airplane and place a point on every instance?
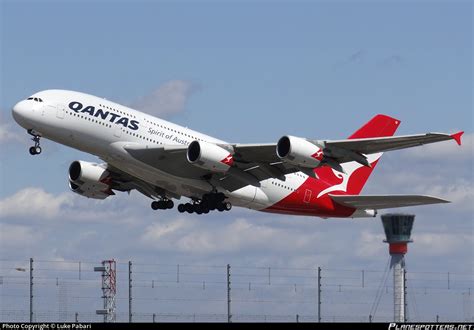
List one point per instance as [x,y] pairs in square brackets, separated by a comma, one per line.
[166,162]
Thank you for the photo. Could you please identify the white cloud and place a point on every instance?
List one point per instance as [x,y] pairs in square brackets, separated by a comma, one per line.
[7,134]
[443,182]
[442,244]
[427,243]
[369,244]
[460,193]
[17,236]
[238,235]
[189,236]
[444,150]
[34,202]
[157,231]
[169,98]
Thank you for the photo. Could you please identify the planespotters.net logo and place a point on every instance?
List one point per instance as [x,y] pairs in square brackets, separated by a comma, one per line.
[437,326]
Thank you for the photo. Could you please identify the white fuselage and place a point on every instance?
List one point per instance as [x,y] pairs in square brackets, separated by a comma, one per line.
[105,133]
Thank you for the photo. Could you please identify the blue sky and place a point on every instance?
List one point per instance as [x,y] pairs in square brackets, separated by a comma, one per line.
[251,59]
[244,71]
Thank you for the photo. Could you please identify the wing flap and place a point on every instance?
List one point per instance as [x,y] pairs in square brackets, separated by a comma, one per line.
[261,153]
[123,181]
[385,201]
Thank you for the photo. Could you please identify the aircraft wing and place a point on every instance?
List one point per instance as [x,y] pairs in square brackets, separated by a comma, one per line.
[256,162]
[172,160]
[343,151]
[381,144]
[254,165]
[122,181]
[169,158]
[384,201]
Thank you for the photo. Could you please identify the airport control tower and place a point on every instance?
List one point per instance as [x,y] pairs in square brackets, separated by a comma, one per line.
[397,229]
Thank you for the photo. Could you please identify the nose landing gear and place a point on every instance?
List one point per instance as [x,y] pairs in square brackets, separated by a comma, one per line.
[36,149]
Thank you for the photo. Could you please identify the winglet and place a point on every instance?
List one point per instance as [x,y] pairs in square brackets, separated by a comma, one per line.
[457,137]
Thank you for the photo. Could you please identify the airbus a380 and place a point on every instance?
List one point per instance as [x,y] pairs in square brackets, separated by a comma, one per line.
[164,161]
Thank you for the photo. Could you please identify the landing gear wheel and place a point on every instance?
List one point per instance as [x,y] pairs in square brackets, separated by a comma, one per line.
[189,207]
[36,149]
[212,206]
[209,202]
[220,197]
[198,209]
[162,204]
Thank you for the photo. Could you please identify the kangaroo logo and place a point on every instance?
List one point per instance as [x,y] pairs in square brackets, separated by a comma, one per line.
[319,155]
[229,160]
[349,169]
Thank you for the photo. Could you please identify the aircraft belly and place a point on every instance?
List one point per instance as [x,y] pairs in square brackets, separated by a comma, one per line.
[272,191]
[243,196]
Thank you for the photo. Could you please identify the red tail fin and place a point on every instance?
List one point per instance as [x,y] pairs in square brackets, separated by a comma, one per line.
[378,126]
[356,175]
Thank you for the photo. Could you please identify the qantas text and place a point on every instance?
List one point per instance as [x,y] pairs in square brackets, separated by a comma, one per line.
[99,113]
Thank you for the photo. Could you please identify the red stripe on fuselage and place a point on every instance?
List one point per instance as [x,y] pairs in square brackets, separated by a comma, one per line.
[323,206]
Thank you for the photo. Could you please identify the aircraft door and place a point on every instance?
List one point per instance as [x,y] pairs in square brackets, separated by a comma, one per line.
[60,111]
[307,196]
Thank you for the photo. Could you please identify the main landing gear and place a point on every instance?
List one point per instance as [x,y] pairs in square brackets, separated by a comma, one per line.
[209,202]
[163,204]
[36,149]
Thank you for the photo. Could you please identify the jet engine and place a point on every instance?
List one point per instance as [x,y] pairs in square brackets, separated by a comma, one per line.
[209,156]
[89,179]
[299,151]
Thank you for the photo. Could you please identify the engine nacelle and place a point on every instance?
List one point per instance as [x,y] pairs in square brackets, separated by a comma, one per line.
[90,191]
[81,172]
[89,180]
[299,151]
[209,156]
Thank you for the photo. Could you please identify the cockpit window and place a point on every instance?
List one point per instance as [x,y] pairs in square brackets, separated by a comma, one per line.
[36,99]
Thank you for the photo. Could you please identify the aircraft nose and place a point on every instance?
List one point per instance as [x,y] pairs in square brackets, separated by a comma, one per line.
[20,112]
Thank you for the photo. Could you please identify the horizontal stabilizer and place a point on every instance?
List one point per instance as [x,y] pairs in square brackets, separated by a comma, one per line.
[384,201]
